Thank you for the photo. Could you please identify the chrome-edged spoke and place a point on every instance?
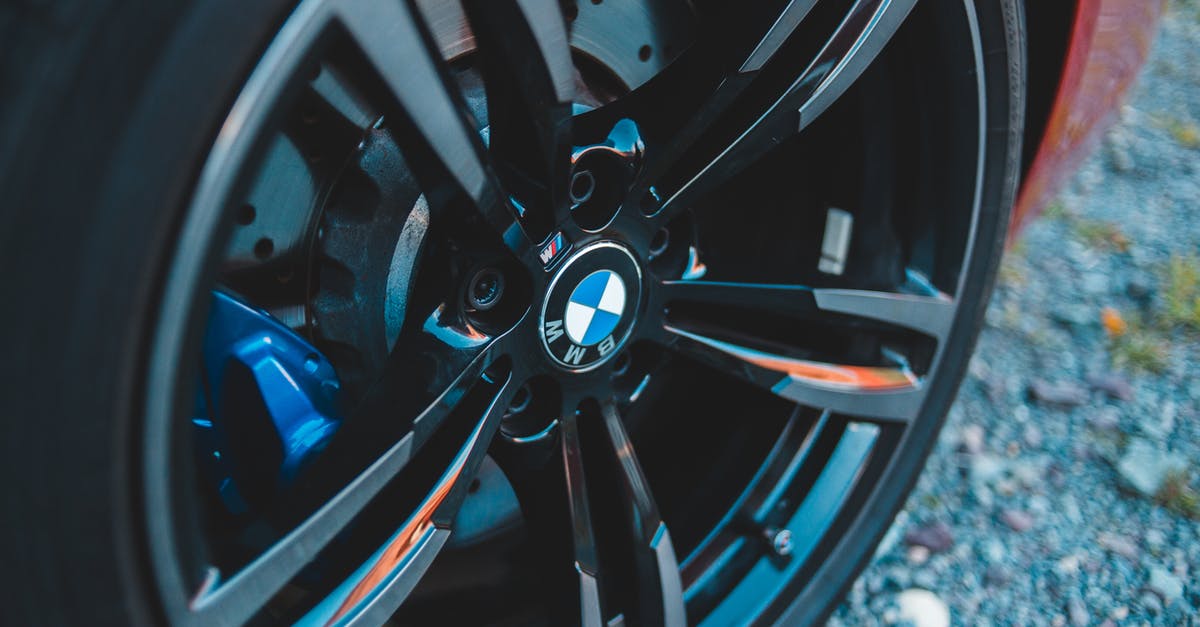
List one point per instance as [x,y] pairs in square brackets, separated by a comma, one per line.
[700,87]
[658,567]
[388,32]
[377,589]
[408,396]
[659,590]
[780,31]
[583,536]
[590,614]
[868,27]
[889,392]
[391,37]
[537,38]
[239,597]
[883,393]
[928,315]
[530,81]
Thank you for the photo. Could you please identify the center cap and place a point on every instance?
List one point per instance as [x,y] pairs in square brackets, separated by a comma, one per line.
[591,305]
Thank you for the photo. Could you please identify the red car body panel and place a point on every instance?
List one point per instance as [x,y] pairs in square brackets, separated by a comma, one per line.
[1109,43]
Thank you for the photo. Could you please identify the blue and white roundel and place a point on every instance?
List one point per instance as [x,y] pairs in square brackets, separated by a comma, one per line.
[595,307]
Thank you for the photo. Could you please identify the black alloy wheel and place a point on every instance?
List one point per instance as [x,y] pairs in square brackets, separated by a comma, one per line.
[486,312]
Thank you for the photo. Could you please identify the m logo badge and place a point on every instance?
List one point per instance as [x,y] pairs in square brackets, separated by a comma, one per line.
[553,250]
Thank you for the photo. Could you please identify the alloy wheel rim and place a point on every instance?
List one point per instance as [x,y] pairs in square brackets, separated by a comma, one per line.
[497,364]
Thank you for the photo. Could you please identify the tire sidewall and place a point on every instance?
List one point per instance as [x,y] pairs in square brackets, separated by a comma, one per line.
[108,162]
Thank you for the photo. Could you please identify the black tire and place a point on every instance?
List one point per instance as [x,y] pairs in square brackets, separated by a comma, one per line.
[107,106]
[109,111]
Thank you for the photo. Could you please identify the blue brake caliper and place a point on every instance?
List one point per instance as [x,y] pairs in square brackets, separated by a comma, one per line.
[267,405]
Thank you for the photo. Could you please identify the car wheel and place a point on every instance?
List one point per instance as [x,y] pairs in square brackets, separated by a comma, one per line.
[507,312]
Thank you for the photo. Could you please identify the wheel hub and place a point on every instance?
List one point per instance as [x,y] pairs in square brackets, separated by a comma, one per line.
[590,306]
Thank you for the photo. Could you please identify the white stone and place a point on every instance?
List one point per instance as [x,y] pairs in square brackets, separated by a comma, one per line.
[922,608]
[1166,585]
[1145,467]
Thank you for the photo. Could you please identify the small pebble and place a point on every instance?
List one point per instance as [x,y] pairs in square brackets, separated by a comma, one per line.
[1112,384]
[1120,545]
[917,555]
[1078,612]
[1032,436]
[1060,394]
[1144,466]
[936,537]
[1106,419]
[1166,585]
[1151,603]
[971,439]
[1017,520]
[996,576]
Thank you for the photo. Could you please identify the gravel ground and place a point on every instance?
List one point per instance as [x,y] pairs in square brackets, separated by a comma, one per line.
[1064,488]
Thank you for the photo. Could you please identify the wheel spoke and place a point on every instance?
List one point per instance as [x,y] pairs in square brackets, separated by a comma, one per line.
[434,364]
[701,86]
[236,599]
[391,37]
[583,536]
[929,315]
[893,394]
[784,26]
[377,589]
[530,82]
[659,591]
[868,26]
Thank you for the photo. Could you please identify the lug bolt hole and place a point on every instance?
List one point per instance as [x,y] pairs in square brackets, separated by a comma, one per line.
[597,187]
[263,248]
[485,290]
[621,364]
[533,409]
[583,183]
[660,242]
[521,400]
[246,214]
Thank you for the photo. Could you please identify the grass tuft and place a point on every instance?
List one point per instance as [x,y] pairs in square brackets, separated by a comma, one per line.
[1181,293]
[1185,133]
[1101,234]
[1177,495]
[1138,348]
[1057,211]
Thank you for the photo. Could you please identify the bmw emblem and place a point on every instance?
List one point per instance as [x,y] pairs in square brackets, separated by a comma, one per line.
[591,305]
